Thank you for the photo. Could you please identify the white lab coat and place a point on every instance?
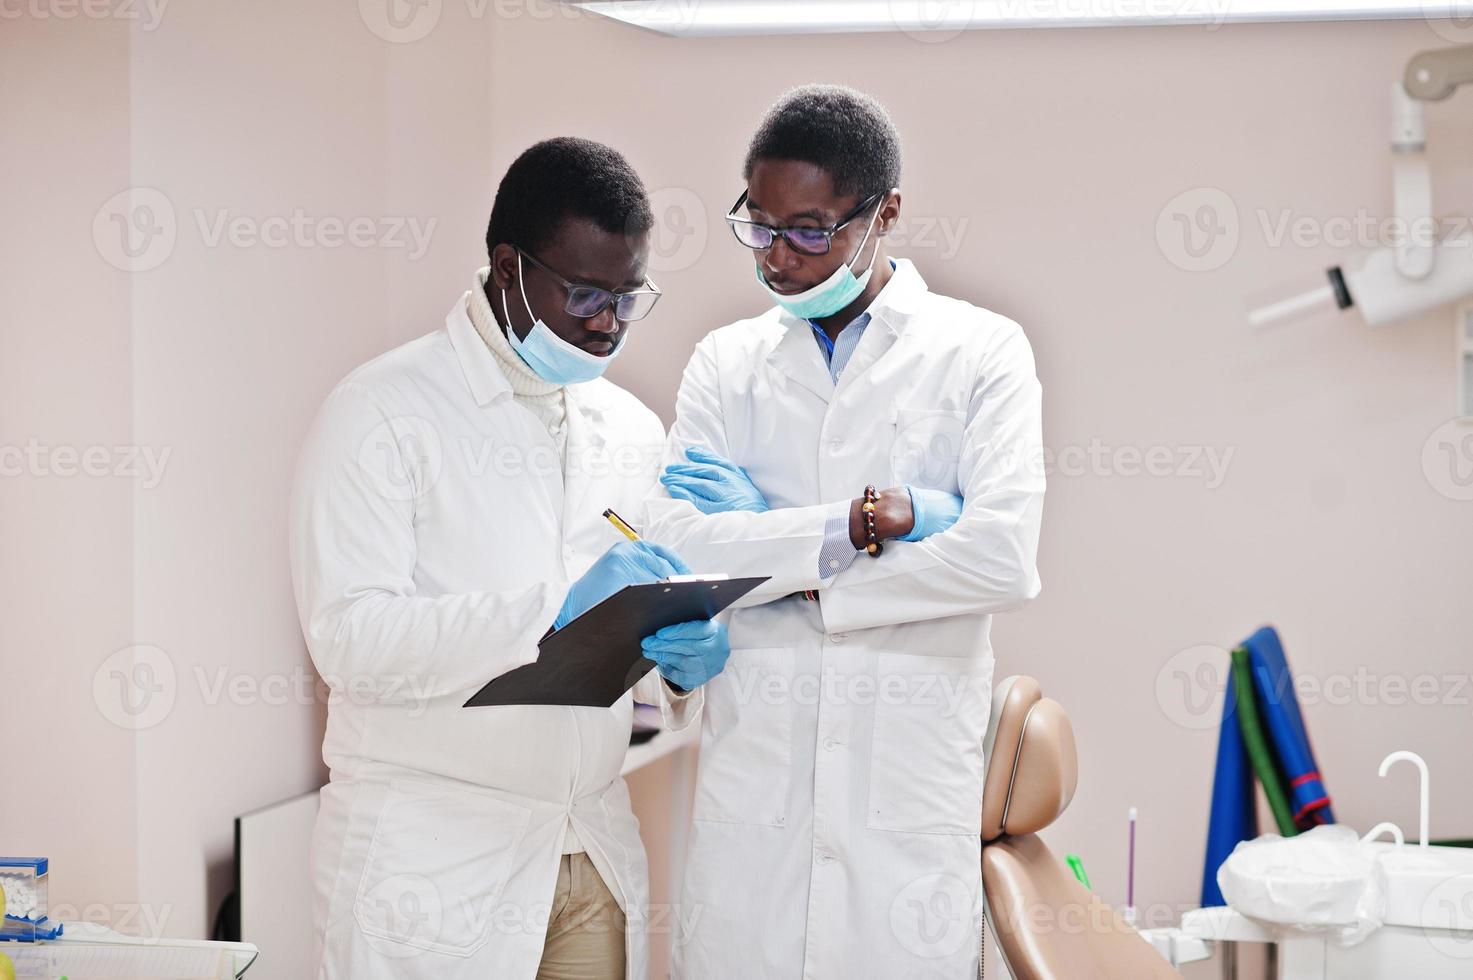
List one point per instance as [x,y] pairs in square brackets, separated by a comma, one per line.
[837,809]
[433,541]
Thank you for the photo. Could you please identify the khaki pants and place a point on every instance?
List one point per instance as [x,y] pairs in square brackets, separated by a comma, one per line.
[585,929]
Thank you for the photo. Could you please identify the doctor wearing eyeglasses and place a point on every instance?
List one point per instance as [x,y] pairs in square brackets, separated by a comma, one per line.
[447,514]
[875,448]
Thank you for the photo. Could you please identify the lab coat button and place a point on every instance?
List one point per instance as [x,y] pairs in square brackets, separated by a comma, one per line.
[831,743]
[836,637]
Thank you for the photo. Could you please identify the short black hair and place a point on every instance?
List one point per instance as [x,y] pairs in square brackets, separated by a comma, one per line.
[562,178]
[842,130]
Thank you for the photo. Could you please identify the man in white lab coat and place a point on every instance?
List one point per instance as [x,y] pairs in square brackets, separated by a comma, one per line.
[447,514]
[837,810]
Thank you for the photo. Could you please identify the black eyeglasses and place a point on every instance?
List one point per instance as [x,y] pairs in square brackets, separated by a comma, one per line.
[589,301]
[809,241]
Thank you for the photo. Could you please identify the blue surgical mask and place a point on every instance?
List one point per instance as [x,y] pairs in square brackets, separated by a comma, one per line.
[834,293]
[552,358]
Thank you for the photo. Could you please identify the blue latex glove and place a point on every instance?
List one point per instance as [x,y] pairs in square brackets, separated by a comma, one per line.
[689,654]
[626,563]
[934,510]
[713,483]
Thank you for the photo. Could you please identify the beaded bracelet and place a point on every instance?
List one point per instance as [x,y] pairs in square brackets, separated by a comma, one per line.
[871,537]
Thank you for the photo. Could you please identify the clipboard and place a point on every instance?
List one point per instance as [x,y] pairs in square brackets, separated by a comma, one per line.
[594,659]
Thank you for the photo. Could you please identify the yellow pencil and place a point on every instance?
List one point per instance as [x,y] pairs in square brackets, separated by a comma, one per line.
[620,523]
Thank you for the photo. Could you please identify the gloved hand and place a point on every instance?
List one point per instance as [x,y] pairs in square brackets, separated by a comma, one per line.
[689,654]
[934,511]
[713,483]
[626,563]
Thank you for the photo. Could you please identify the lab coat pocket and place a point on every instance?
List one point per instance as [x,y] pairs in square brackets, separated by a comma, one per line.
[926,765]
[436,866]
[747,743]
[927,447]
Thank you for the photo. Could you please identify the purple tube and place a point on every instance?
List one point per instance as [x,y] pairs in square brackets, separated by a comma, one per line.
[1130,870]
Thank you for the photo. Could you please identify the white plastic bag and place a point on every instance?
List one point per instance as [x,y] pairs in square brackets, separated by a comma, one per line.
[1324,881]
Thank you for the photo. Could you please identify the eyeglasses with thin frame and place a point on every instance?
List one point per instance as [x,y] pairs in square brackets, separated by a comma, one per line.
[589,301]
[808,240]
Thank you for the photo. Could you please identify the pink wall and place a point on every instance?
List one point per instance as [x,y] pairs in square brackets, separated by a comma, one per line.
[66,493]
[1049,155]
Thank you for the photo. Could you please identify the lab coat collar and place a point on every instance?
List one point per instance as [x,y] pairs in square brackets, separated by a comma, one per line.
[486,379]
[797,356]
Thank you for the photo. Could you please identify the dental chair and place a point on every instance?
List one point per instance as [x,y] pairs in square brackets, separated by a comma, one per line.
[1048,925]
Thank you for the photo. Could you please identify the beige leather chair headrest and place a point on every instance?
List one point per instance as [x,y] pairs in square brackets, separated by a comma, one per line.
[1032,768]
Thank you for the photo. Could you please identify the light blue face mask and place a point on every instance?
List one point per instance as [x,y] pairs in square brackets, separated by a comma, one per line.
[552,358]
[834,293]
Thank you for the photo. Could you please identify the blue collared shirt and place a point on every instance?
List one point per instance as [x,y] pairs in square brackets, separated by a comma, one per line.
[838,351]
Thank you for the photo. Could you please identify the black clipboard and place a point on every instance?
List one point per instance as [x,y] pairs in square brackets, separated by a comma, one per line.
[594,659]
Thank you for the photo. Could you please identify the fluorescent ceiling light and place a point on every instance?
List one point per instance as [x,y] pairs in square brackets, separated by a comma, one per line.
[706,18]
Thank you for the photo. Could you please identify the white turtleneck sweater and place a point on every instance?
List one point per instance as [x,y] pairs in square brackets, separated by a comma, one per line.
[542,398]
